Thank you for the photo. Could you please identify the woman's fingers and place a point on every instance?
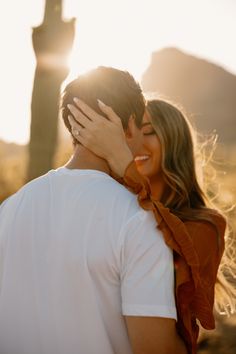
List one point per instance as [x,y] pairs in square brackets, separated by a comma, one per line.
[79,116]
[78,132]
[111,115]
[94,116]
[76,128]
[104,137]
[82,140]
[90,113]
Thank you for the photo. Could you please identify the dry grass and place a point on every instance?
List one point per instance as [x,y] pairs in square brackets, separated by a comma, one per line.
[13,166]
[220,341]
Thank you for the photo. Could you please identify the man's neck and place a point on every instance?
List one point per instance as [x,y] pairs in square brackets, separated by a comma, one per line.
[84,159]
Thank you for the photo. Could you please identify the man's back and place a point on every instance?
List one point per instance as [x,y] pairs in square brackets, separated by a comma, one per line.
[76,252]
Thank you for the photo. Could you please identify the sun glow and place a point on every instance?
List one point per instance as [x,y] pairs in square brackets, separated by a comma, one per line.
[121,34]
[106,36]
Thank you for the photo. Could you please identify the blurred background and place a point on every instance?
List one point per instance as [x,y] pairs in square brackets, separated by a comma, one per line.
[183,50]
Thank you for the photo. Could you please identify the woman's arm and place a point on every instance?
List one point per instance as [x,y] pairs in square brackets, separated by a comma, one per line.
[104,137]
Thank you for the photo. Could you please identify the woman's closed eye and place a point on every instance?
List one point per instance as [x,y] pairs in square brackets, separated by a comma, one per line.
[148,130]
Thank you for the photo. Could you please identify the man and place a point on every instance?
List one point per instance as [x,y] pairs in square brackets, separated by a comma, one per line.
[84,269]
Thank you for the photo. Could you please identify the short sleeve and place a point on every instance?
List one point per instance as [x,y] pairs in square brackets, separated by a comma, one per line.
[4,228]
[147,270]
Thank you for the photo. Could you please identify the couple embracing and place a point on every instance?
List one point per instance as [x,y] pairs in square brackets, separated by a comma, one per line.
[117,252]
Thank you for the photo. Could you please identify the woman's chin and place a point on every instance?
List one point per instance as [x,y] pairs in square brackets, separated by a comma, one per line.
[143,171]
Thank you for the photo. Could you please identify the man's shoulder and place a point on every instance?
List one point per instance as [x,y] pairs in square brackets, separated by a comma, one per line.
[26,190]
[95,188]
[109,189]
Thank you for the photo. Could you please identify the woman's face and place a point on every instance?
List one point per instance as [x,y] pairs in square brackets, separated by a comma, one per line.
[148,158]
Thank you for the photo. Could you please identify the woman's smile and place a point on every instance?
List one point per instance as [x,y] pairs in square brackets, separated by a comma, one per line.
[139,159]
[148,159]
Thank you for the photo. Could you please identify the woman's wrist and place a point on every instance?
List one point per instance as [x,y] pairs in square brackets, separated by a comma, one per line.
[119,163]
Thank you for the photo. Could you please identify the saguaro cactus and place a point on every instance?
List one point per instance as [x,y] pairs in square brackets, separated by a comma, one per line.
[52,42]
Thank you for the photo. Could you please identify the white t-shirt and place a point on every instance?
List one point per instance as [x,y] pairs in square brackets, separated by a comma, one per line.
[77,252]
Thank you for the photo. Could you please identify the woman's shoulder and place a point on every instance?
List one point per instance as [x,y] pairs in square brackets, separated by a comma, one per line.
[204,231]
[208,234]
[211,220]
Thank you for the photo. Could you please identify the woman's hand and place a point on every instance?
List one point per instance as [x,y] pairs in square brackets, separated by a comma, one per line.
[104,137]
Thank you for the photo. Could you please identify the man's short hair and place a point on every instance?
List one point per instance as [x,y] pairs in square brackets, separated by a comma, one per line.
[116,88]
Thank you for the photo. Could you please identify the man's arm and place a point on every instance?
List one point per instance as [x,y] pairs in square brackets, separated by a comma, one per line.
[154,335]
[147,289]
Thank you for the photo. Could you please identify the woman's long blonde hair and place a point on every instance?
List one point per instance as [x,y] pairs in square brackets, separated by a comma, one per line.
[185,197]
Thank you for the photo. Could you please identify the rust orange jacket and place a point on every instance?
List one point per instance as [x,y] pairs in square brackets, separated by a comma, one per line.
[197,253]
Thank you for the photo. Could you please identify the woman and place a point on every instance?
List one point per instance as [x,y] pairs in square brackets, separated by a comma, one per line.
[163,175]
